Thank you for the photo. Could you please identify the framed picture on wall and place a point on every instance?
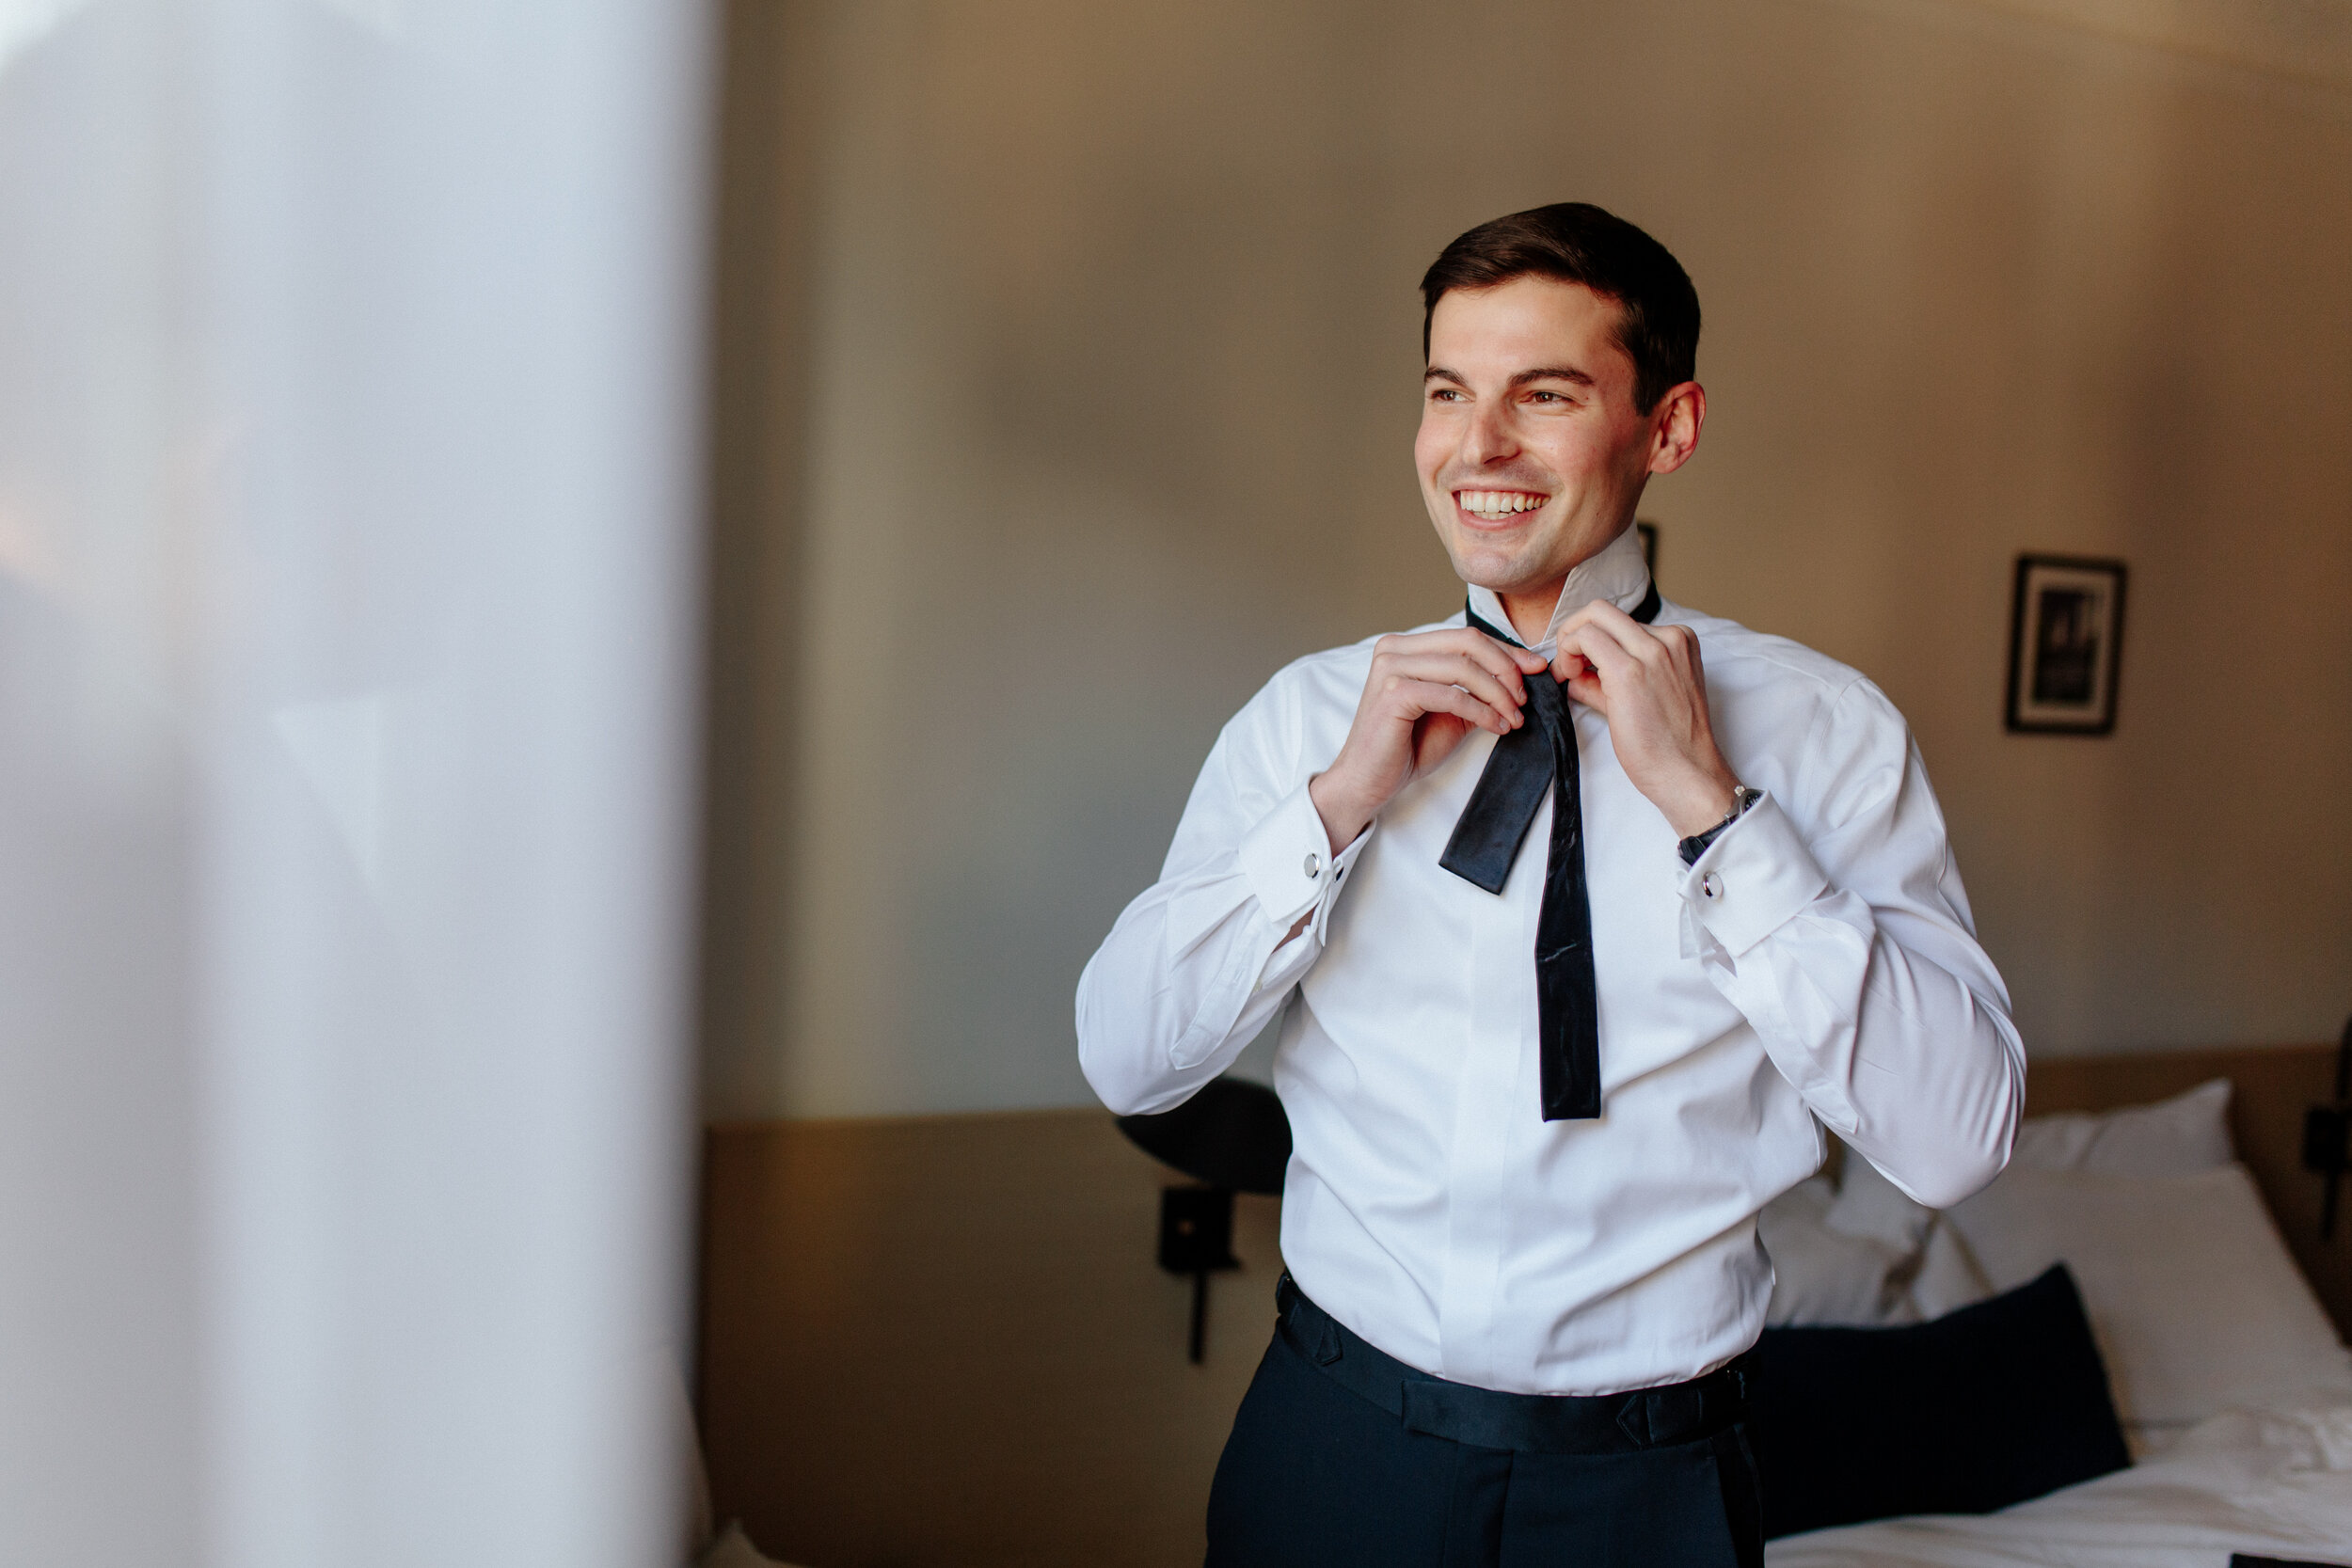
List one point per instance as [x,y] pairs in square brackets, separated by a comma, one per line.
[2065,644]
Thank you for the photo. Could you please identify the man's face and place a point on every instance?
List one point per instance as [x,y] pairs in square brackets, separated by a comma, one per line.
[1531,452]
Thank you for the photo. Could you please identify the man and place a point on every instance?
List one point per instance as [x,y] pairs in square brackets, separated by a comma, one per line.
[1585,913]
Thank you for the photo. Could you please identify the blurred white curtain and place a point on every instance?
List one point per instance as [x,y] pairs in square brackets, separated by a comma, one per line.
[347,452]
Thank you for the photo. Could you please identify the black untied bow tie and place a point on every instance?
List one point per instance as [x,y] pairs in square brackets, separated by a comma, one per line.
[1487,840]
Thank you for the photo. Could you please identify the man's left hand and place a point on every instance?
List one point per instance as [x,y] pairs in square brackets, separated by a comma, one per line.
[1648,683]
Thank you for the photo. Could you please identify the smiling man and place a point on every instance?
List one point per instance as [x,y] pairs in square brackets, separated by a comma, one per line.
[1583,913]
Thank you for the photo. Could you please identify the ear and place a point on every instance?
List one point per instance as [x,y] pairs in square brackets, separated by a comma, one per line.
[1674,426]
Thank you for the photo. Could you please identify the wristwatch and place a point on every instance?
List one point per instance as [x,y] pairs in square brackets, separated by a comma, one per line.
[1696,845]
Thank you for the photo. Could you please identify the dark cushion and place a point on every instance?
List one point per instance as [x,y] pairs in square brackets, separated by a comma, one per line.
[1983,1407]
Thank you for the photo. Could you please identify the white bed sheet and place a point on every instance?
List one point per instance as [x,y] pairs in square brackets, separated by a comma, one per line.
[2278,1485]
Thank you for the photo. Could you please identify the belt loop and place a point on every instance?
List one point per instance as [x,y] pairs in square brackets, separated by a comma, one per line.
[1677,1414]
[1314,1333]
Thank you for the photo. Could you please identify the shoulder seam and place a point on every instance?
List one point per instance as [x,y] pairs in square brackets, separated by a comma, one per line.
[1835,686]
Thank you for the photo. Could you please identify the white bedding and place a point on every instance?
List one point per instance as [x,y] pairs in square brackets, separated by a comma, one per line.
[2279,1485]
[2197,1307]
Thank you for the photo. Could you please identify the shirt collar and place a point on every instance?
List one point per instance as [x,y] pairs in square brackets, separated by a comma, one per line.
[1615,572]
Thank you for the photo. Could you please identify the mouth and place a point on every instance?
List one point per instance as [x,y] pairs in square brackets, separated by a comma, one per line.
[1492,507]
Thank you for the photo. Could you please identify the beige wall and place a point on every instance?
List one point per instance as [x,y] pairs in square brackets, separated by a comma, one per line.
[944,1341]
[1067,363]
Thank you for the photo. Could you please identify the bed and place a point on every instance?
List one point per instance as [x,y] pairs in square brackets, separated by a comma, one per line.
[2278,1485]
[2231,1388]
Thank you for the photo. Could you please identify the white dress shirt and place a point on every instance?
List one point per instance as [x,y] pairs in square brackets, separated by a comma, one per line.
[1817,965]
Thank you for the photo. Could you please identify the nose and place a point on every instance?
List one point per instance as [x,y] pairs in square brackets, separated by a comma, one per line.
[1492,437]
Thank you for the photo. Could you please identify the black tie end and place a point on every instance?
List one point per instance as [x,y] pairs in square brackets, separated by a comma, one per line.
[1481,867]
[1568,1094]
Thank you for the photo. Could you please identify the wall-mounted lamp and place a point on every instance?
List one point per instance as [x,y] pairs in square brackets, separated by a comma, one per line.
[1231,1137]
[2327,1134]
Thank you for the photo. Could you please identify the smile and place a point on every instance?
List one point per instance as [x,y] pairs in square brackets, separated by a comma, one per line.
[1494,506]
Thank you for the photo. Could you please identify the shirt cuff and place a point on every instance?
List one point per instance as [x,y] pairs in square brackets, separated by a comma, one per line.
[1288,859]
[1753,879]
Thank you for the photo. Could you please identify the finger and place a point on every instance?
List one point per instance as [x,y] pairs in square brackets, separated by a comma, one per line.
[1592,646]
[1510,663]
[1601,612]
[1507,660]
[1682,643]
[1484,653]
[1505,688]
[1524,659]
[1600,619]
[1416,698]
[1637,639]
[1585,683]
[1587,689]
[1604,610]
[1480,646]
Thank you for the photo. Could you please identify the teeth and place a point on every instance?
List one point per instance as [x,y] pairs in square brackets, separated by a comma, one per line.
[1498,503]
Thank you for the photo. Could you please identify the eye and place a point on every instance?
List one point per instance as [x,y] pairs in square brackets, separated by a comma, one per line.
[1444,394]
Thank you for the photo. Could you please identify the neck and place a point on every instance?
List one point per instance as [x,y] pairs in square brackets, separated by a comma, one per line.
[1530,611]
[1615,572]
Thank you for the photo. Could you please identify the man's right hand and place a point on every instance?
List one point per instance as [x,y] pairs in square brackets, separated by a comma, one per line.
[1426,693]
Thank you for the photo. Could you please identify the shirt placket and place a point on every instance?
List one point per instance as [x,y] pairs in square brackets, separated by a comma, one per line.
[1501,1039]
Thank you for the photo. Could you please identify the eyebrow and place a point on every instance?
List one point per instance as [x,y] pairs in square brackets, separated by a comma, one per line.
[1545,372]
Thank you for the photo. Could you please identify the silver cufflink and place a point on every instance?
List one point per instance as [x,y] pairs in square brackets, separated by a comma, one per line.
[1314,866]
[1709,886]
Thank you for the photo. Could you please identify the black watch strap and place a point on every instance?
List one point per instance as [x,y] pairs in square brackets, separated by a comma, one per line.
[1742,798]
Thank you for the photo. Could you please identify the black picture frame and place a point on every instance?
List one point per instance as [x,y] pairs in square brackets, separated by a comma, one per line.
[2065,644]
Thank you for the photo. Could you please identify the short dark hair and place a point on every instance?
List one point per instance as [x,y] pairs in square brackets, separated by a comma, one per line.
[1576,242]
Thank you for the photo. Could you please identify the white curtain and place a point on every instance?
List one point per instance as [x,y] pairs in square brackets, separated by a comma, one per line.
[347,452]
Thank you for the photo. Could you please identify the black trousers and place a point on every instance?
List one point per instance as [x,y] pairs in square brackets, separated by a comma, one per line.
[1317,1475]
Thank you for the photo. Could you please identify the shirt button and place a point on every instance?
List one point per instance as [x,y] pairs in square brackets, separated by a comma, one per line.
[1710,886]
[1314,866]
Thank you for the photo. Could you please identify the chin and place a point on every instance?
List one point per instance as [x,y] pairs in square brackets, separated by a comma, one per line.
[1496,571]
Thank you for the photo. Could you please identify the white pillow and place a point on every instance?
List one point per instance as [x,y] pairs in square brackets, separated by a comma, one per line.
[2180,1136]
[1822,1276]
[2195,1303]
